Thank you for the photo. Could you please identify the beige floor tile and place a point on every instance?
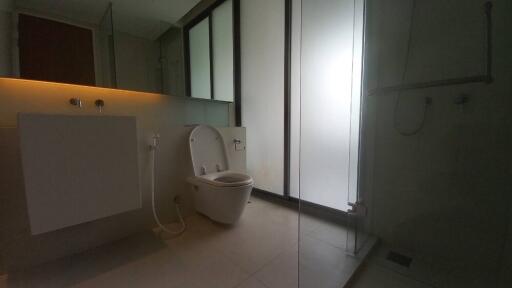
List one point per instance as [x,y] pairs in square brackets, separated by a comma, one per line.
[323,265]
[261,251]
[326,261]
[308,224]
[282,272]
[251,283]
[254,254]
[264,231]
[332,233]
[216,272]
[314,271]
[314,277]
[163,268]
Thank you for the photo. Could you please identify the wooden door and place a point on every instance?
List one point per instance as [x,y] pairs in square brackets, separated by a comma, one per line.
[55,51]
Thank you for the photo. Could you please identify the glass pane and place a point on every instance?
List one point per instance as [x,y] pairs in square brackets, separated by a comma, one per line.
[171,53]
[199,41]
[326,97]
[356,236]
[331,51]
[5,38]
[137,52]
[107,52]
[262,92]
[222,33]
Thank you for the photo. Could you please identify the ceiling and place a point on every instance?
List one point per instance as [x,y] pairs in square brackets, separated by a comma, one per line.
[148,18]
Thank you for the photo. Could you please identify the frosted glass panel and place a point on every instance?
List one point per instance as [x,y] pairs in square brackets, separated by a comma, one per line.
[222,30]
[262,47]
[326,102]
[199,41]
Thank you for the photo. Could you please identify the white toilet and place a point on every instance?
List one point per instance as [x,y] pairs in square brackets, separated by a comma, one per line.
[219,193]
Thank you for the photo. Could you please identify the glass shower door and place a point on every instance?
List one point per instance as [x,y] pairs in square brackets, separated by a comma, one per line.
[331,208]
[356,237]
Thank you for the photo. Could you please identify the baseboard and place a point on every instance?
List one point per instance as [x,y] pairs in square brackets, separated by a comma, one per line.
[303,206]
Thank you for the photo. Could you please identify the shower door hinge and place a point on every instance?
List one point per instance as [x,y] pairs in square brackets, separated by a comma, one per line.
[357,208]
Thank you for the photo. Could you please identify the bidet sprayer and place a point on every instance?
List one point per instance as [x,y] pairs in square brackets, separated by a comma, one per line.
[155,141]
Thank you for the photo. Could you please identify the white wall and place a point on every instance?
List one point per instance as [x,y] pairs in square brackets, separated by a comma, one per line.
[262,52]
[444,193]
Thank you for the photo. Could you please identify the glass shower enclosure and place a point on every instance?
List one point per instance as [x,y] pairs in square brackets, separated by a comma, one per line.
[327,102]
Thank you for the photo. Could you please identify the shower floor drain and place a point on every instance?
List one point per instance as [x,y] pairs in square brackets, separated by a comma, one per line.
[399,259]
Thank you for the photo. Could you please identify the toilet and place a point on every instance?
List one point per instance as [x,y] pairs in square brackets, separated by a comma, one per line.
[219,193]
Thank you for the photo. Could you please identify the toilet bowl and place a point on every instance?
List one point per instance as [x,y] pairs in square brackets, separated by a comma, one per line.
[219,193]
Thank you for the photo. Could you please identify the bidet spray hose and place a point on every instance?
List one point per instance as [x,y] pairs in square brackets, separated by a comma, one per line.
[154,147]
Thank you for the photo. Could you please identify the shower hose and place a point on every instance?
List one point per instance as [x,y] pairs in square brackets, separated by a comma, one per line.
[154,150]
[428,100]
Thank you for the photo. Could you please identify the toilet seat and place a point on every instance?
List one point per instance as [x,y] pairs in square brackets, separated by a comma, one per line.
[226,179]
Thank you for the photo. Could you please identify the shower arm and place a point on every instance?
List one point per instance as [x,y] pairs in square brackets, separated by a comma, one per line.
[487,78]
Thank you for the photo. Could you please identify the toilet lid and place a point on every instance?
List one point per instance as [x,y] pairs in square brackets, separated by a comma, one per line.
[207,150]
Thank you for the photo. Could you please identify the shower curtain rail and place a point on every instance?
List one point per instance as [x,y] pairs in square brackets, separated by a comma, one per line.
[454,81]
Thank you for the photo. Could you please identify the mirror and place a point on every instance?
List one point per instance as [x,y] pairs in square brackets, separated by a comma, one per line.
[174,47]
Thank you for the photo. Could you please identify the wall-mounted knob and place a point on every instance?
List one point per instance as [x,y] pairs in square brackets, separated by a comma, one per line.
[461,99]
[238,145]
[76,102]
[99,104]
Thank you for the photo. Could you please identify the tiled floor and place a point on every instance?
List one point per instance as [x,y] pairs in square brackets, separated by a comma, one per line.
[261,251]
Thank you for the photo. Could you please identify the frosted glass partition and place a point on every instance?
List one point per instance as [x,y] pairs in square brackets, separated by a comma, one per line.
[222,33]
[262,47]
[199,41]
[329,102]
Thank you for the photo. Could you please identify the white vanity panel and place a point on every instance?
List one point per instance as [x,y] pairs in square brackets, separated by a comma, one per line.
[78,168]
